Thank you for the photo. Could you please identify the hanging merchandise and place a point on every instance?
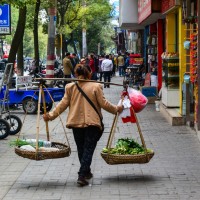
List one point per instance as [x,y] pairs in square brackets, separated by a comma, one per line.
[151,52]
[193,70]
[193,37]
[186,78]
[154,38]
[149,40]
[193,57]
[186,44]
[137,99]
[190,20]
[127,114]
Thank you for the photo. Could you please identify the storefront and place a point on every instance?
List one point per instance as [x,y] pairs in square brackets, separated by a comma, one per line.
[172,55]
[149,15]
[191,99]
[170,44]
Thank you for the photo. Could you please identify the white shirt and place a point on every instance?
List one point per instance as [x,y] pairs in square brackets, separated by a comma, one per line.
[107,65]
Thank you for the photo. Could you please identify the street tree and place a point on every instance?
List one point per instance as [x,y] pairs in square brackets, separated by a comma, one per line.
[72,15]
[97,17]
[17,40]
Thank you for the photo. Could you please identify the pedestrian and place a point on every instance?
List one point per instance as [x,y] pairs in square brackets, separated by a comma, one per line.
[127,59]
[96,63]
[82,61]
[67,67]
[107,67]
[92,66]
[114,65]
[120,62]
[83,119]
[100,67]
[74,60]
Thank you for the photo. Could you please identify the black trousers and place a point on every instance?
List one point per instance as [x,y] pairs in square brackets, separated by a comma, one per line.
[100,76]
[107,77]
[86,140]
[67,76]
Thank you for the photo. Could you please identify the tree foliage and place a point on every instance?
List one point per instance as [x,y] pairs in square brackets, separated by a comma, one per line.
[78,14]
[72,16]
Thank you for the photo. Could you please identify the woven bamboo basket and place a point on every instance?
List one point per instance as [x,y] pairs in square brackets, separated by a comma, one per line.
[113,159]
[64,151]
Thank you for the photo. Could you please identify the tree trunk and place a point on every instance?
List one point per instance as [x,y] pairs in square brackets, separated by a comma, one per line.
[19,34]
[64,46]
[35,34]
[73,43]
[20,60]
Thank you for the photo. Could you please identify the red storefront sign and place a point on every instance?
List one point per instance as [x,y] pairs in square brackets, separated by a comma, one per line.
[144,9]
[168,4]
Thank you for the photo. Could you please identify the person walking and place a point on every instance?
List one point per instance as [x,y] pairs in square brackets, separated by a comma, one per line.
[92,66]
[107,67]
[68,67]
[114,65]
[120,61]
[100,67]
[83,119]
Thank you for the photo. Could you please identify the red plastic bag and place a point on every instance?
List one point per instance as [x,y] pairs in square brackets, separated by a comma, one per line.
[137,99]
[129,119]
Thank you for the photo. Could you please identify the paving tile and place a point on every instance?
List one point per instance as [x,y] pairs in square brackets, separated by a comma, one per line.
[172,174]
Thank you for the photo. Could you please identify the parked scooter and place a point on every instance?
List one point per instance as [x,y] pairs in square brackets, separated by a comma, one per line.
[58,73]
[9,124]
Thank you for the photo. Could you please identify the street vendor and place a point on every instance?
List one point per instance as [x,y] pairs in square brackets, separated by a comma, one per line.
[84,120]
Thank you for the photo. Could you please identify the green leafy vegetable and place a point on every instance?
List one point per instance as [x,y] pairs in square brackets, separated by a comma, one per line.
[126,146]
[18,143]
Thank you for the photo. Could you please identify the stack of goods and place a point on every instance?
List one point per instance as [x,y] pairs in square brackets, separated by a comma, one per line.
[30,145]
[127,146]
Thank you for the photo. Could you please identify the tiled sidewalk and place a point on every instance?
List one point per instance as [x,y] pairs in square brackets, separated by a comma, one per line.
[173,173]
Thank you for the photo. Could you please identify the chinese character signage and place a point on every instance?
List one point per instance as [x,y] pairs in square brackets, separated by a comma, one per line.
[5,21]
[144,10]
[169,4]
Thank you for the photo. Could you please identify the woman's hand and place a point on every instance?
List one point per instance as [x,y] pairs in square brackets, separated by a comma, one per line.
[46,117]
[120,108]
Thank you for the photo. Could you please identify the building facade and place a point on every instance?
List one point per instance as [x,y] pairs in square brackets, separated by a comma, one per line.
[168,32]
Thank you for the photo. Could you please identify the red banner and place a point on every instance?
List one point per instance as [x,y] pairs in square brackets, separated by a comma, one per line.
[167,4]
[144,9]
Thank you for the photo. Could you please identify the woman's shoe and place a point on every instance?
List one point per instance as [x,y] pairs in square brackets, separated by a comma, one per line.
[81,181]
[89,175]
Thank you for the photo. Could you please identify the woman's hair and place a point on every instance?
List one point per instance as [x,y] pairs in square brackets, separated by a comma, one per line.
[82,70]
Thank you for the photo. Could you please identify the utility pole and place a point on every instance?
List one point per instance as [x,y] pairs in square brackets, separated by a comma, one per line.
[51,39]
[84,39]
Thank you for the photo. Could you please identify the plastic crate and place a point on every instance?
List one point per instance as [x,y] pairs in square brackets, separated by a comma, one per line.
[149,91]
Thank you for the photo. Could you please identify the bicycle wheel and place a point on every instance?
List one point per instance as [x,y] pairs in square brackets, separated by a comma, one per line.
[4,129]
[30,106]
[15,124]
[48,107]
